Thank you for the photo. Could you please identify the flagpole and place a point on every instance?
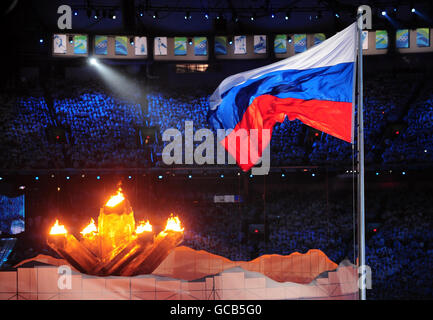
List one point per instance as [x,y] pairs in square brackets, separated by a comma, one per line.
[360,146]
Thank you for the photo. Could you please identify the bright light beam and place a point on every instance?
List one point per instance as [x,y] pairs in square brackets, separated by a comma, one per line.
[119,83]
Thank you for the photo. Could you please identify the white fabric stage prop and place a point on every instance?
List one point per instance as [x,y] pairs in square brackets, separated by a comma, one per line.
[224,279]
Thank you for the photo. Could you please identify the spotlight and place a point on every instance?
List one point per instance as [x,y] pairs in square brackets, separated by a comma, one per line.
[155,15]
[131,41]
[98,177]
[313,174]
[287,15]
[253,17]
[383,13]
[22,187]
[337,15]
[283,175]
[190,176]
[160,177]
[272,15]
[413,10]
[67,178]
[206,16]
[93,61]
[1,178]
[187,15]
[251,175]
[41,40]
[289,40]
[129,177]
[190,42]
[394,9]
[377,173]
[36,178]
[113,16]
[71,39]
[140,10]
[222,176]
[403,173]
[75,13]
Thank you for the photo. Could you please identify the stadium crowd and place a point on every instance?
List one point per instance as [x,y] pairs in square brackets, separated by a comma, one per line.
[102,128]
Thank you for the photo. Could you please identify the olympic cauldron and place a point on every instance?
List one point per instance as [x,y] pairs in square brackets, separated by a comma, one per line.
[116,246]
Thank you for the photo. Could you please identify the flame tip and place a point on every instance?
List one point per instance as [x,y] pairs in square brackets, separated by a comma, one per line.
[58,229]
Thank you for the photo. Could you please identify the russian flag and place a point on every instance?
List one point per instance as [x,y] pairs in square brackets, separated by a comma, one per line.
[315,87]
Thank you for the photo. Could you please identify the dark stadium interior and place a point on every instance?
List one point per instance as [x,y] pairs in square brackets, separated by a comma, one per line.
[68,137]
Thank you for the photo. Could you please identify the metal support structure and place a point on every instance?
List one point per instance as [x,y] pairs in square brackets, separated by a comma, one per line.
[360,146]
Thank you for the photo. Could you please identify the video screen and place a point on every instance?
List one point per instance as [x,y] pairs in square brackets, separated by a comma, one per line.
[12,215]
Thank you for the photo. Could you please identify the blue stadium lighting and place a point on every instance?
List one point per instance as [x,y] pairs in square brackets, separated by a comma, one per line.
[377,173]
[251,175]
[67,178]
[160,177]
[222,176]
[141,14]
[129,177]
[36,178]
[98,177]
[272,15]
[337,15]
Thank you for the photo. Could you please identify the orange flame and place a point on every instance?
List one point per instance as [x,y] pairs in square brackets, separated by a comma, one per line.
[91,228]
[116,199]
[173,224]
[58,229]
[143,226]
